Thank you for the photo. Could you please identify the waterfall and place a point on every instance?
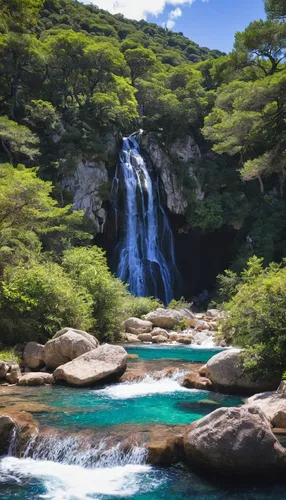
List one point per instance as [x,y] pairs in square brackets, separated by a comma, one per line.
[144,255]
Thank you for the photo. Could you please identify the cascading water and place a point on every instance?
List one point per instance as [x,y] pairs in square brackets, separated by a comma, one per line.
[144,256]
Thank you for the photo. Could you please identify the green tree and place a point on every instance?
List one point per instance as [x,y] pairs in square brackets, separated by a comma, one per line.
[275,9]
[17,141]
[140,61]
[20,15]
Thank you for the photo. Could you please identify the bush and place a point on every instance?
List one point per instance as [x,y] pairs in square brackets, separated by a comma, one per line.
[257,318]
[140,306]
[9,355]
[87,266]
[37,301]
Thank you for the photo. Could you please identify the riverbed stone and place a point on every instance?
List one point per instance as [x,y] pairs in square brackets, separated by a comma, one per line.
[227,374]
[14,374]
[165,451]
[145,337]
[237,440]
[137,326]
[159,331]
[130,338]
[36,378]
[66,347]
[194,381]
[159,339]
[168,318]
[33,355]
[107,363]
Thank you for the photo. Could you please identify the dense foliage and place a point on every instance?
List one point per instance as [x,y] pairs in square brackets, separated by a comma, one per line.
[257,316]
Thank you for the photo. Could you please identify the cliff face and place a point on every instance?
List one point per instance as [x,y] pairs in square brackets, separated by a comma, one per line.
[166,158]
[91,177]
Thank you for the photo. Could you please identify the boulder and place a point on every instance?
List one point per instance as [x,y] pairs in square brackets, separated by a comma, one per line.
[202,325]
[273,405]
[4,367]
[185,339]
[173,336]
[105,364]
[7,425]
[66,347]
[36,378]
[159,339]
[203,371]
[33,355]
[168,318]
[159,331]
[213,313]
[145,337]
[88,336]
[137,326]
[237,440]
[14,374]
[166,451]
[130,338]
[226,373]
[194,381]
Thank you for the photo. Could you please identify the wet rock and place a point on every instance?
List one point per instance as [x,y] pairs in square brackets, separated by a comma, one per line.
[173,336]
[66,347]
[159,331]
[145,337]
[33,355]
[7,426]
[137,326]
[202,325]
[185,339]
[36,378]
[166,451]
[107,363]
[203,370]
[227,374]
[194,381]
[237,440]
[4,367]
[159,339]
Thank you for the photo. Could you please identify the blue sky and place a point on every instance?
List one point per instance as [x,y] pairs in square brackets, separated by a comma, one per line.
[210,23]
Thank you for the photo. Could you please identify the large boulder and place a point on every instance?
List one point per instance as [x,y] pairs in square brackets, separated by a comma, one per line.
[36,378]
[159,339]
[88,336]
[237,440]
[105,364]
[7,426]
[273,405]
[227,374]
[33,355]
[129,338]
[66,347]
[168,318]
[137,326]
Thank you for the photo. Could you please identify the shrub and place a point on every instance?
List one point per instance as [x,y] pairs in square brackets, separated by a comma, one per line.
[9,355]
[87,266]
[37,301]
[257,318]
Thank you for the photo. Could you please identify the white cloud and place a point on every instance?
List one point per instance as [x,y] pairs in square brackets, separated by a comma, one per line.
[173,15]
[139,9]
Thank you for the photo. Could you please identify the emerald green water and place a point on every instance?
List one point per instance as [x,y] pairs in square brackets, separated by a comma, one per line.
[174,352]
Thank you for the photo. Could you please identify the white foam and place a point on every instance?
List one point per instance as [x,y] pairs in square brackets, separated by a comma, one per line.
[72,482]
[147,386]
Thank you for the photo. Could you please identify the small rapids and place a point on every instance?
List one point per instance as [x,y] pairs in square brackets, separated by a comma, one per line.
[149,385]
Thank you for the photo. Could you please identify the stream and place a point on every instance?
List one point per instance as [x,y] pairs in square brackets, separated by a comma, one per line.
[78,454]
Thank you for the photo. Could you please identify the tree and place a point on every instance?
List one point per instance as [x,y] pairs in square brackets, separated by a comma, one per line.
[17,141]
[22,62]
[20,15]
[140,61]
[27,213]
[265,41]
[275,9]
